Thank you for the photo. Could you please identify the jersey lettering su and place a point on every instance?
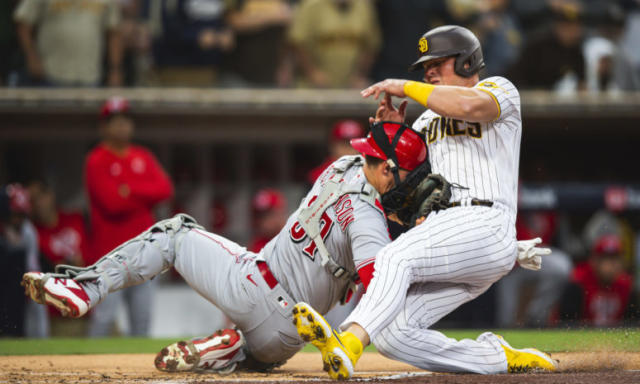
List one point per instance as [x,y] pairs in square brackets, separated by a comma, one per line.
[353,232]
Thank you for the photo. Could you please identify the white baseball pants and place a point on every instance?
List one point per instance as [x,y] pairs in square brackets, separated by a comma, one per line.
[451,258]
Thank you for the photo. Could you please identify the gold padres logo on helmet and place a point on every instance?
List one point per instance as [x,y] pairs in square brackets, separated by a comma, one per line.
[422,45]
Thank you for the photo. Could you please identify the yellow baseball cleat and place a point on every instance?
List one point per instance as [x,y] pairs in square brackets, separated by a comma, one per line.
[525,360]
[340,351]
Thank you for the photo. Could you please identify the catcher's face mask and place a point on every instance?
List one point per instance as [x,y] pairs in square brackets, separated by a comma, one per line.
[396,200]
[401,147]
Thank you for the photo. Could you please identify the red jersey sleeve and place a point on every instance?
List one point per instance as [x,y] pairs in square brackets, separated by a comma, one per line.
[366,274]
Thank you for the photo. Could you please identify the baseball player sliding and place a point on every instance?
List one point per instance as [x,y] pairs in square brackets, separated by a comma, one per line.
[473,131]
[328,244]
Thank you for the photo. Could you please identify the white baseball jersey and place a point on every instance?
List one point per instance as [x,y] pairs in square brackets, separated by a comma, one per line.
[482,157]
[456,254]
[353,231]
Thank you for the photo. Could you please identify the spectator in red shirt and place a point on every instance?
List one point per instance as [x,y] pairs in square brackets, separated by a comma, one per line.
[269,214]
[602,288]
[124,182]
[341,132]
[62,239]
[62,235]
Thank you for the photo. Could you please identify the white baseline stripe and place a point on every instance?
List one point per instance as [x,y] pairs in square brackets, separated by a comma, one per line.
[383,375]
[218,379]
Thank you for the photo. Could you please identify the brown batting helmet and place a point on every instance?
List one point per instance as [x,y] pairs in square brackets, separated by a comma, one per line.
[447,41]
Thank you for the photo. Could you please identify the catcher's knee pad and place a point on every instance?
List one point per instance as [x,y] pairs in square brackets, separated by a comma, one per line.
[174,224]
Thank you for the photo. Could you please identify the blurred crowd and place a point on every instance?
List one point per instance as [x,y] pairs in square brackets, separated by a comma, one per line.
[577,44]
[586,281]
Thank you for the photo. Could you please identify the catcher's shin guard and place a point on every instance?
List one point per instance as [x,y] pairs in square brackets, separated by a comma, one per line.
[340,351]
[525,360]
[219,352]
[136,260]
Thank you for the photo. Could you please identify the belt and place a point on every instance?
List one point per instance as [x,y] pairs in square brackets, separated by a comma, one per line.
[266,274]
[485,203]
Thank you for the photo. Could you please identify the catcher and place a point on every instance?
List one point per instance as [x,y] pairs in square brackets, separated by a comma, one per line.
[327,246]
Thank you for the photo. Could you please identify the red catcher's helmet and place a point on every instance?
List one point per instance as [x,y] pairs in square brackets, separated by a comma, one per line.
[409,147]
[114,105]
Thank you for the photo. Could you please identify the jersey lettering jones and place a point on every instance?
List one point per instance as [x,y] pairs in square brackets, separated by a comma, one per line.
[482,158]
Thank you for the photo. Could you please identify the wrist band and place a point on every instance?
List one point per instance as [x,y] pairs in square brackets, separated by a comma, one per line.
[418,91]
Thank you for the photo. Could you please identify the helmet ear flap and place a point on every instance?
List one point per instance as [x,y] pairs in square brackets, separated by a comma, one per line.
[459,67]
[475,61]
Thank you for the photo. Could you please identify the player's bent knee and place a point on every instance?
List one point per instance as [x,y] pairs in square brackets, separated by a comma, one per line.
[389,341]
[383,346]
[275,348]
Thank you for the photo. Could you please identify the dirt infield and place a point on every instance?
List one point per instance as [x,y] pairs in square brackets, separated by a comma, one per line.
[596,367]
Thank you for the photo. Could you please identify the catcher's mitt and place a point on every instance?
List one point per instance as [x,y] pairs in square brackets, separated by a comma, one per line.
[432,194]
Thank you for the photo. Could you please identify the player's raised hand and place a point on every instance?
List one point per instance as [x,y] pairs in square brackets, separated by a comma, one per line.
[393,87]
[388,112]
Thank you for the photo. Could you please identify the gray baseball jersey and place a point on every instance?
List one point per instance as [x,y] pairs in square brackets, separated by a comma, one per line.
[353,231]
[455,254]
[236,281]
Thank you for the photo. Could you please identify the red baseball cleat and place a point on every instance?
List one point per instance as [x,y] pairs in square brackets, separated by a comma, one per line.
[65,294]
[215,353]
